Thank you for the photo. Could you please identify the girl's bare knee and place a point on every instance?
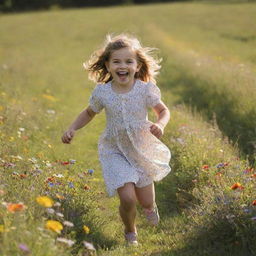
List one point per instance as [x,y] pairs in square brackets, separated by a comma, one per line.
[127,196]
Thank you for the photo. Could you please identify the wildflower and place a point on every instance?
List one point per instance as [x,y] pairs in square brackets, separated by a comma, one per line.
[254,202]
[33,160]
[253,218]
[45,201]
[15,207]
[237,185]
[23,175]
[68,223]
[65,241]
[220,165]
[86,187]
[90,171]
[57,204]
[24,248]
[54,225]
[51,184]
[51,179]
[58,175]
[205,167]
[89,246]
[50,210]
[59,214]
[9,165]
[65,163]
[49,165]
[86,229]
[72,161]
[71,184]
[60,197]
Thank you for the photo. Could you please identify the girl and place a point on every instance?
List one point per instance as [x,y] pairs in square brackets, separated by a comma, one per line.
[131,155]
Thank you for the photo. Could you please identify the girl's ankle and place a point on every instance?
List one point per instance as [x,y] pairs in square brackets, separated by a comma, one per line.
[130,230]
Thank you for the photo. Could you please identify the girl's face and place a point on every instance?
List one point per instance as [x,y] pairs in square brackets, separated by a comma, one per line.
[123,65]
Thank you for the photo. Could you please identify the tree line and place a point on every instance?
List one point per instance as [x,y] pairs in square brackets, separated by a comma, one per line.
[24,5]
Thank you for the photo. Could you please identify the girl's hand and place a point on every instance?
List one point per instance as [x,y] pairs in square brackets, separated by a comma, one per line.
[68,136]
[157,130]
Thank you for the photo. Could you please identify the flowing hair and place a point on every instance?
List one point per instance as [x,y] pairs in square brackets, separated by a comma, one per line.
[149,65]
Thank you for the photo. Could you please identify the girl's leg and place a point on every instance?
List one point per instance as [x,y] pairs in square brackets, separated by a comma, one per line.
[127,208]
[146,196]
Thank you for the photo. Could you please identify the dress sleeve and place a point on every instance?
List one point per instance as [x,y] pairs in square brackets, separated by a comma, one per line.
[153,95]
[95,100]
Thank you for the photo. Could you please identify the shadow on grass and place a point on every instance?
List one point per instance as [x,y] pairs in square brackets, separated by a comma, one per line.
[218,236]
[173,193]
[79,216]
[238,126]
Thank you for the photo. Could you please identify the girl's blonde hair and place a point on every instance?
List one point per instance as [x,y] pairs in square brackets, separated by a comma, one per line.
[149,65]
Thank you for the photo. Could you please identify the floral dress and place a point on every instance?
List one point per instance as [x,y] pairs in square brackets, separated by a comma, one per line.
[128,151]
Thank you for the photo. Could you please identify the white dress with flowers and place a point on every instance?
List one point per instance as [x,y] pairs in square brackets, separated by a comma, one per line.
[128,151]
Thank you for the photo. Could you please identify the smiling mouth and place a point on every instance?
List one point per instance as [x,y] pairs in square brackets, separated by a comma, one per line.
[122,74]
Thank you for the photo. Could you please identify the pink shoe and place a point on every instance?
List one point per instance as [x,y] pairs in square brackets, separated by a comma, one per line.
[131,238]
[152,216]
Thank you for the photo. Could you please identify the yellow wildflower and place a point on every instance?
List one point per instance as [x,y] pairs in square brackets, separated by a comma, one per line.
[45,201]
[54,226]
[86,229]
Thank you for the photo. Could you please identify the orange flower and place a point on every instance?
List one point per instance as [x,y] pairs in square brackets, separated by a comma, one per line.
[254,202]
[86,187]
[15,207]
[205,166]
[237,185]
[23,176]
[61,197]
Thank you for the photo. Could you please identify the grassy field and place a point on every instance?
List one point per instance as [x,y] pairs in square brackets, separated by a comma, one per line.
[207,204]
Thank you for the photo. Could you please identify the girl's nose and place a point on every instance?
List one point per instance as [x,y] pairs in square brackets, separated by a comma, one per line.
[123,65]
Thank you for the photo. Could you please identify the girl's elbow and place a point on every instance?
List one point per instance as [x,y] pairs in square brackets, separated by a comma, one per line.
[90,112]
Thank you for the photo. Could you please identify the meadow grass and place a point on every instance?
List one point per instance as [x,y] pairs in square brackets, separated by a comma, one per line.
[43,88]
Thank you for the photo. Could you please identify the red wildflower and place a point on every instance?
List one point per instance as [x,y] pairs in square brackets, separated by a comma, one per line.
[205,166]
[65,163]
[50,179]
[236,186]
[254,202]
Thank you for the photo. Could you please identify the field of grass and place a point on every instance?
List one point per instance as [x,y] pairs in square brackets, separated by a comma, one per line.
[207,204]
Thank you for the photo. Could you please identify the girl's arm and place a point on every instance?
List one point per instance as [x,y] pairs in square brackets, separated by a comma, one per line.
[163,117]
[83,119]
